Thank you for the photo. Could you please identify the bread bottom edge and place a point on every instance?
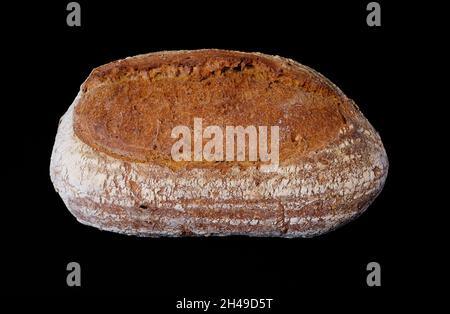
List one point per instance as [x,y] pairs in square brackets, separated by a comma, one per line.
[306,226]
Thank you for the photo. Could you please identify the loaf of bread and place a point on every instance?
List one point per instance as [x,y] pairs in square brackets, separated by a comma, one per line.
[114,168]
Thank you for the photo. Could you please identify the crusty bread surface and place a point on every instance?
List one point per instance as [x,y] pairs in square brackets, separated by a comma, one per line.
[112,164]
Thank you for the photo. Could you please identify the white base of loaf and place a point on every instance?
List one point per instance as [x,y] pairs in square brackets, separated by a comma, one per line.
[301,200]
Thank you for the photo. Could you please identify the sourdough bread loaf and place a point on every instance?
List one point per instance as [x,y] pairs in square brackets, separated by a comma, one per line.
[112,165]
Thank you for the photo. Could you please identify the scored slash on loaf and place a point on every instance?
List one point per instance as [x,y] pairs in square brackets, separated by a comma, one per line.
[111,162]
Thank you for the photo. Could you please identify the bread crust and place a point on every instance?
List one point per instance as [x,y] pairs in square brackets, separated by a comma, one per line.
[316,188]
[129,107]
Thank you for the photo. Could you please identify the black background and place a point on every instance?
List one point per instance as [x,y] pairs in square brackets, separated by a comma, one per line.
[51,60]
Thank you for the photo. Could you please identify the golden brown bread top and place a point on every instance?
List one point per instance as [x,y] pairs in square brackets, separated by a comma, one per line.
[129,107]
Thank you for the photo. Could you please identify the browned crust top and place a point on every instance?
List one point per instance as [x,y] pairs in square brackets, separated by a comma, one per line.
[128,107]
